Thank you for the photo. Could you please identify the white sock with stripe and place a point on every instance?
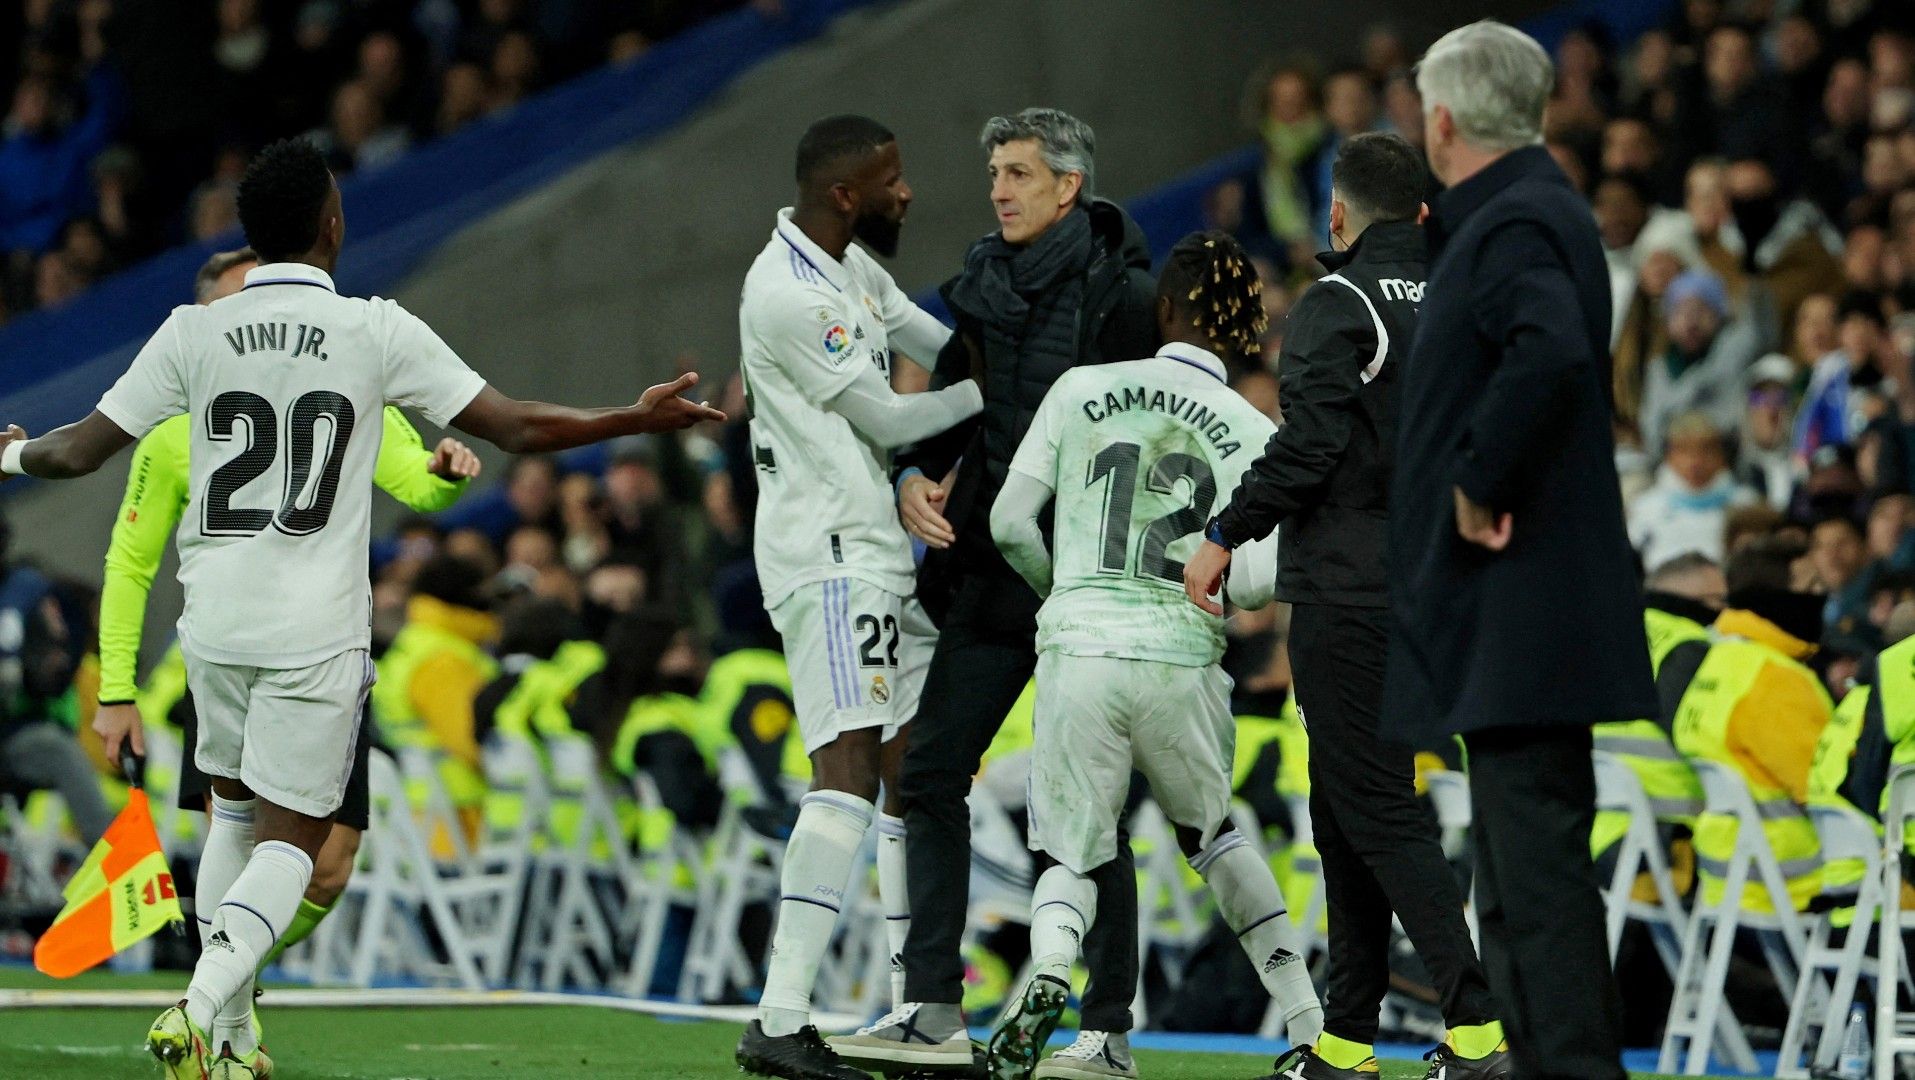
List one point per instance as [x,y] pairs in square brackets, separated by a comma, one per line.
[1248,897]
[229,844]
[255,911]
[1062,907]
[819,859]
[896,899]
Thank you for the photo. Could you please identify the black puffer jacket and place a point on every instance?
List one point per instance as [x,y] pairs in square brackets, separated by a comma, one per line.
[1114,321]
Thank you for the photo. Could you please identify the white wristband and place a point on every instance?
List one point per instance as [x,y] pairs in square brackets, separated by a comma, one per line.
[10,457]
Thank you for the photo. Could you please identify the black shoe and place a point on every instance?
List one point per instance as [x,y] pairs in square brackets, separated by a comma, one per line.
[1446,1065]
[802,1055]
[1302,1063]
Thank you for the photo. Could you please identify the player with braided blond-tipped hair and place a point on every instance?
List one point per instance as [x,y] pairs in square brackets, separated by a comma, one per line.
[1133,456]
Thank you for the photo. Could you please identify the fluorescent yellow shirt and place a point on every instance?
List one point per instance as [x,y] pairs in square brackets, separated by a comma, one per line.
[156,494]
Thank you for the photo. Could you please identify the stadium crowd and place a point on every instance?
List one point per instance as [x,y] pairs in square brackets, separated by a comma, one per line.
[128,124]
[1751,167]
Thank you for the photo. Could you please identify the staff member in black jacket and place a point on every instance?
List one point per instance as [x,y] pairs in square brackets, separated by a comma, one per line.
[1516,615]
[1065,280]
[1325,477]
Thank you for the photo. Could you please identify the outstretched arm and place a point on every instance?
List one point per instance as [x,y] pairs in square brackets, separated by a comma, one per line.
[534,427]
[64,453]
[891,419]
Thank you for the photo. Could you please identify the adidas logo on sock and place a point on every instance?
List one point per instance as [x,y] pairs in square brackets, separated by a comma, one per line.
[219,938]
[1279,959]
[1072,931]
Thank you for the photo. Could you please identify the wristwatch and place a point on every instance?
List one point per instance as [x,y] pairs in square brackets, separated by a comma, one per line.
[1213,532]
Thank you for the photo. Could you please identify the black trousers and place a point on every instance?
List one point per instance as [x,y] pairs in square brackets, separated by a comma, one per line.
[1533,792]
[986,653]
[1378,844]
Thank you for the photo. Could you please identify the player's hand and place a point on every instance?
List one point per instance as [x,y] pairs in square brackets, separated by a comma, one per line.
[14,433]
[1480,525]
[921,508]
[664,410]
[1203,576]
[115,724]
[453,460]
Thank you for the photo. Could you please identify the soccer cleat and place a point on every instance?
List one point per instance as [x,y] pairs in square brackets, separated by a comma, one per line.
[1096,1055]
[179,1046]
[896,1044]
[1446,1064]
[228,1066]
[1025,1027]
[801,1055]
[1302,1063]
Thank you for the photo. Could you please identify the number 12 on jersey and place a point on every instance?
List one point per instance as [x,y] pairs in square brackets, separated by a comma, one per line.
[1120,465]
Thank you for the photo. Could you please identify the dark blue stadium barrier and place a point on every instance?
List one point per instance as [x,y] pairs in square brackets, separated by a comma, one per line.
[55,364]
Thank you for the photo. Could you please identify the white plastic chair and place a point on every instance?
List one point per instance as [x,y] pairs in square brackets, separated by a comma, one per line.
[1894,1029]
[1696,1008]
[1826,988]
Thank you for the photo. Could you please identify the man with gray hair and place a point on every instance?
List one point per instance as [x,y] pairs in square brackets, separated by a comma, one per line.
[1064,280]
[1515,612]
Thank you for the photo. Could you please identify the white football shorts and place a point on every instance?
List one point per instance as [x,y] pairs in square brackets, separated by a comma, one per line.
[288,734]
[1096,718]
[857,655]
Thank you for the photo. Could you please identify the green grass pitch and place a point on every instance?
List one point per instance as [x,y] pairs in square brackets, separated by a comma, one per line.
[437,1043]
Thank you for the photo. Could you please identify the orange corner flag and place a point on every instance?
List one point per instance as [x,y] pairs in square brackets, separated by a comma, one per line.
[122,894]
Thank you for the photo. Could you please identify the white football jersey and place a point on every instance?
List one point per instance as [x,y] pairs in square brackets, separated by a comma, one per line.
[1140,455]
[285,382]
[807,323]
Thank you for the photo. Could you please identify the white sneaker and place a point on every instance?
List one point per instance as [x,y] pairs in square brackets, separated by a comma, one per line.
[897,1039]
[1096,1055]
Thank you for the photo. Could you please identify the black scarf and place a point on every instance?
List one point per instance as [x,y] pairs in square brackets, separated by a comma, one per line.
[999,280]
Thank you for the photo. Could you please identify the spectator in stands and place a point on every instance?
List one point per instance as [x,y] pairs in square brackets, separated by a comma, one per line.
[1815,331]
[360,136]
[51,135]
[515,69]
[1686,510]
[1840,137]
[1706,365]
[1621,205]
[1764,463]
[531,496]
[1839,554]
[643,527]
[1292,130]
[463,97]
[1739,112]
[1831,410]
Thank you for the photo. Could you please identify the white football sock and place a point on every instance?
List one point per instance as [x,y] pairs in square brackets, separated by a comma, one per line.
[819,859]
[1062,907]
[255,911]
[896,900]
[229,844]
[1251,904]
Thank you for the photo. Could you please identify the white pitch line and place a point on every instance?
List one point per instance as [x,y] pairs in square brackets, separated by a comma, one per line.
[350,998]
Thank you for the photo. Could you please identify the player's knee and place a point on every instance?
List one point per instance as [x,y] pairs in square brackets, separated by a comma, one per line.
[849,764]
[1191,841]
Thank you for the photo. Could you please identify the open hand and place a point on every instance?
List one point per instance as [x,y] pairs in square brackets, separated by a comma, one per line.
[1480,525]
[921,509]
[453,460]
[1203,575]
[664,410]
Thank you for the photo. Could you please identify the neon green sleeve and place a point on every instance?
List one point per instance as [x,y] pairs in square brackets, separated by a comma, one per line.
[155,498]
[401,469]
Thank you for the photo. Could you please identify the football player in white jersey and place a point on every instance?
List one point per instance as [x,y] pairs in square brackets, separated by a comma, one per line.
[1135,456]
[818,322]
[285,383]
